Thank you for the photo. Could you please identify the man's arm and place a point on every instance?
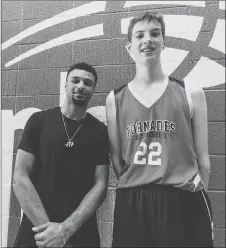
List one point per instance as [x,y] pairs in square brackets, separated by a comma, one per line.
[25,191]
[113,134]
[200,133]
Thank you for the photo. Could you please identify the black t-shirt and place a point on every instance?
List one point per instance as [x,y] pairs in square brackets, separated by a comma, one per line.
[63,175]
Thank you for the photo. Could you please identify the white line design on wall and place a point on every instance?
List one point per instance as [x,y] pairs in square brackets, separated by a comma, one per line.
[139,3]
[7,162]
[218,40]
[83,10]
[62,87]
[22,116]
[88,32]
[206,73]
[222,5]
[171,59]
[10,124]
[99,112]
[189,30]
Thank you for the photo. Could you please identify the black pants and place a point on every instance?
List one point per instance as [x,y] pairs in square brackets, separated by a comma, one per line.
[162,216]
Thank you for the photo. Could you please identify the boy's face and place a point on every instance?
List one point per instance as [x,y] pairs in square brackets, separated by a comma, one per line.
[147,41]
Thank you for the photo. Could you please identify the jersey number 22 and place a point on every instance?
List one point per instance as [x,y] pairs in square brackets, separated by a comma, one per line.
[153,155]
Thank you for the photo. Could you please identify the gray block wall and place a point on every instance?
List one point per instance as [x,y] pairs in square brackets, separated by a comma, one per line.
[34,82]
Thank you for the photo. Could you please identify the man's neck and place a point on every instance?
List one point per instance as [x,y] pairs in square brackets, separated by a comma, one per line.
[73,112]
[149,74]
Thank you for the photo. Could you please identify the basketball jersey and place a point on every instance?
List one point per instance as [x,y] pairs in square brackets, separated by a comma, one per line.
[156,142]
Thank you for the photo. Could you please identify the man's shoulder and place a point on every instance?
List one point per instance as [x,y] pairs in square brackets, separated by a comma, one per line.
[49,112]
[42,115]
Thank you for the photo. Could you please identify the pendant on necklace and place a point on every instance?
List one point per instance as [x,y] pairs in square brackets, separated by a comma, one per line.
[69,144]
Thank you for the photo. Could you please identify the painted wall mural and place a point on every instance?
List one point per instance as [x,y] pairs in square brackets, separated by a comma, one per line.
[40,39]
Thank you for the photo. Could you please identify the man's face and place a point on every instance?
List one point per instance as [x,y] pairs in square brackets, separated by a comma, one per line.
[80,86]
[147,41]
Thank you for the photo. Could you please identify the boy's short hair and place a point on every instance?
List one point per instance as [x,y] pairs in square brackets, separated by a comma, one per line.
[146,16]
[83,66]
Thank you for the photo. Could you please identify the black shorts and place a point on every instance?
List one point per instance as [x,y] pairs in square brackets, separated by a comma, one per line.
[162,216]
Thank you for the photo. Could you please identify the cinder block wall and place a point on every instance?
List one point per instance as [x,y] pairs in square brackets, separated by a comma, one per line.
[34,82]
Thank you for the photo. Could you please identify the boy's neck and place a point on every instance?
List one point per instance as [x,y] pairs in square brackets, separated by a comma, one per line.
[148,74]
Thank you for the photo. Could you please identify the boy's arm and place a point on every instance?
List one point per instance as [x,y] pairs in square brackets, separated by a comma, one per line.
[113,134]
[25,191]
[200,133]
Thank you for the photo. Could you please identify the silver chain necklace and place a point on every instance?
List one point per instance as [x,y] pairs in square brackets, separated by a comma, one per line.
[70,143]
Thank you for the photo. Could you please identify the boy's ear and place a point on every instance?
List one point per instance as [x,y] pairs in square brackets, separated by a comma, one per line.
[128,46]
[164,44]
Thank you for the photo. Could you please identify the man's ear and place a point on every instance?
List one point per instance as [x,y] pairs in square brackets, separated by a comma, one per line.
[65,86]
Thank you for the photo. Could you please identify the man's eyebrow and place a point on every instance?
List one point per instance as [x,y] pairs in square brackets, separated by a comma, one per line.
[83,78]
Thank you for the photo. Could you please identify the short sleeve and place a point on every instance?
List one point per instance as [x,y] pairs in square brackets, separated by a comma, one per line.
[31,134]
[102,149]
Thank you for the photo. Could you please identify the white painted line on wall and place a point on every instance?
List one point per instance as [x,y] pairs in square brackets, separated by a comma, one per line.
[4,227]
[88,32]
[99,112]
[83,10]
[171,58]
[173,55]
[206,73]
[7,161]
[22,116]
[218,40]
[139,3]
[179,26]
[222,5]
[62,87]
[10,123]
[169,67]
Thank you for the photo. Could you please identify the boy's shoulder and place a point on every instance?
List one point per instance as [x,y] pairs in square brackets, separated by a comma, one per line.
[178,81]
[119,89]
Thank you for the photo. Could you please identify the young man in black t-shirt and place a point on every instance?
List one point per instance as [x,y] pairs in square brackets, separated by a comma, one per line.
[61,169]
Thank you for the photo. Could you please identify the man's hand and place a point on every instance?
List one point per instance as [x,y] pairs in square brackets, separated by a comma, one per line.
[48,235]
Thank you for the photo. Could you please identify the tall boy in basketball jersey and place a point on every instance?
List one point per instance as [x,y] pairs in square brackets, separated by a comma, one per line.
[159,150]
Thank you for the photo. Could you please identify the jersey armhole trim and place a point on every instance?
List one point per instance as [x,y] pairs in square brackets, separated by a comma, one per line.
[189,99]
[112,104]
